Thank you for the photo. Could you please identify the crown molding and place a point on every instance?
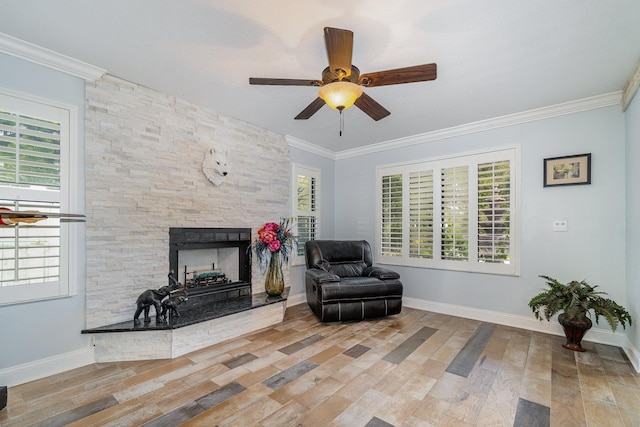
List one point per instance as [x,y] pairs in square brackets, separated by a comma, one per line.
[585,104]
[309,147]
[591,103]
[48,58]
[631,87]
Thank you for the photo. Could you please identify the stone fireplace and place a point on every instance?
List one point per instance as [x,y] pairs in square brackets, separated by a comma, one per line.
[137,189]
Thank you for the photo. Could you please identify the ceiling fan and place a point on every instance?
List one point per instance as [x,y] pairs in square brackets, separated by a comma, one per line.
[340,87]
[10,217]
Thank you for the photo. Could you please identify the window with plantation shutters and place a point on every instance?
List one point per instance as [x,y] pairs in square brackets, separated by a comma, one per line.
[34,144]
[306,209]
[454,213]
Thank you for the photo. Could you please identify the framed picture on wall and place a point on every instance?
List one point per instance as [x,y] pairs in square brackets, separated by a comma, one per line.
[567,170]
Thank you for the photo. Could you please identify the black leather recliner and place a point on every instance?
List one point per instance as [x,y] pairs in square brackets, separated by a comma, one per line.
[342,283]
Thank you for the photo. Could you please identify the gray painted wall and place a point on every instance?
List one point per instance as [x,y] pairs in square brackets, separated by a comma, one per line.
[327,207]
[44,329]
[592,249]
[632,117]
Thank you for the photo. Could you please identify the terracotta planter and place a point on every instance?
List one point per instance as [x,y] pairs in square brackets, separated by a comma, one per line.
[574,330]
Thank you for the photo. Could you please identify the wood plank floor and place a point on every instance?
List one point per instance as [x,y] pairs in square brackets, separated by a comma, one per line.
[414,369]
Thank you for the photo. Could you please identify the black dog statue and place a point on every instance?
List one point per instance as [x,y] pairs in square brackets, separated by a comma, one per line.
[170,306]
[149,298]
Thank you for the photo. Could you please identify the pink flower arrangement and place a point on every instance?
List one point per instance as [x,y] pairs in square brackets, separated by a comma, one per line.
[275,246]
[268,233]
[274,237]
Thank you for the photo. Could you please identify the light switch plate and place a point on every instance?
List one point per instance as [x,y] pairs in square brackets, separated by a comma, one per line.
[560,225]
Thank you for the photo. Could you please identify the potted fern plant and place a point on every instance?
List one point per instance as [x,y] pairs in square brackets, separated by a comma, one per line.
[577,300]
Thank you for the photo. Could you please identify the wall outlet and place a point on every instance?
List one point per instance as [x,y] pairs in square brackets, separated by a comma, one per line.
[560,225]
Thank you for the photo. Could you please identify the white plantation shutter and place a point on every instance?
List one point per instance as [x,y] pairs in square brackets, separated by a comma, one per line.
[421,214]
[306,207]
[306,231]
[391,226]
[454,213]
[30,158]
[29,151]
[34,151]
[494,209]
[30,254]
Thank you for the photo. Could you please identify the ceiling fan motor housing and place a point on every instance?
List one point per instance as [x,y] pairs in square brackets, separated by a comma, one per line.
[329,77]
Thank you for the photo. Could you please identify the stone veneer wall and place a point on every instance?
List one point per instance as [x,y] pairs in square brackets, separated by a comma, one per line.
[144,153]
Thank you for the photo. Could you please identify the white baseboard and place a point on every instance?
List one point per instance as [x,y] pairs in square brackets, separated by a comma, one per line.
[37,369]
[633,354]
[296,299]
[597,335]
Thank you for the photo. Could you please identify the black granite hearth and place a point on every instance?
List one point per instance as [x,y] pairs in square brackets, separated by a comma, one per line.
[196,310]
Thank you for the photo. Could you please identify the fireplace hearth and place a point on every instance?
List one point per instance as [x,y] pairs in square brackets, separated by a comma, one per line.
[215,266]
[196,310]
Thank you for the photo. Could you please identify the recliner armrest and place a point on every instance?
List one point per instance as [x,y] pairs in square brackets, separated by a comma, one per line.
[321,276]
[380,273]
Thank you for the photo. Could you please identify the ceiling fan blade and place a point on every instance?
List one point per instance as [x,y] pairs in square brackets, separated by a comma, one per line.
[417,73]
[371,107]
[311,109]
[7,213]
[283,82]
[339,49]
[10,217]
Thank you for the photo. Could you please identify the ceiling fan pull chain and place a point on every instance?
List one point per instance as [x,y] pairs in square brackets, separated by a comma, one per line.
[341,122]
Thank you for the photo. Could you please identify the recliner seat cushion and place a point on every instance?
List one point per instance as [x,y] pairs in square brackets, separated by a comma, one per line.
[358,288]
[357,310]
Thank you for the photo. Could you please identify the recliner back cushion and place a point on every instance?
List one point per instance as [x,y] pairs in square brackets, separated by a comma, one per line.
[348,269]
[345,258]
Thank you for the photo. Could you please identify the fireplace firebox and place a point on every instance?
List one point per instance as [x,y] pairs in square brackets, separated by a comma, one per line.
[211,260]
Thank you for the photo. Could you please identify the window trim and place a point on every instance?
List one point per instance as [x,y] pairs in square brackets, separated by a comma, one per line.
[299,169]
[69,196]
[512,153]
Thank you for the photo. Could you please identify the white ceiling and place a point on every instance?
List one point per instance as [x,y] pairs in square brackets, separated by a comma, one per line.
[495,57]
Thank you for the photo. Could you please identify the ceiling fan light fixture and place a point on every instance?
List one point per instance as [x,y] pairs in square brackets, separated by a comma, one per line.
[340,95]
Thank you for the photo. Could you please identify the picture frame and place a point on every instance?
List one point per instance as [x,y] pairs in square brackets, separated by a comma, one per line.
[567,170]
